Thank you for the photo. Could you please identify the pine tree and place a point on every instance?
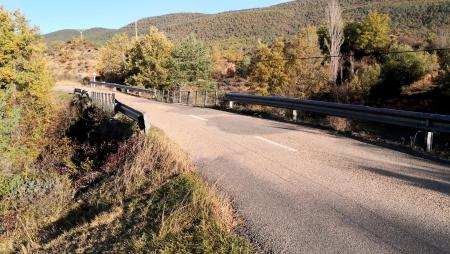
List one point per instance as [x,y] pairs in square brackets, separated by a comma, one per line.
[191,63]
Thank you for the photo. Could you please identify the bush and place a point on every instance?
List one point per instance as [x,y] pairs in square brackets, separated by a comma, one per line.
[364,79]
[403,69]
[25,84]
[445,81]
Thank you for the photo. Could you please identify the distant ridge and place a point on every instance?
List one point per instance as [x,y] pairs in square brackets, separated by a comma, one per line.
[413,16]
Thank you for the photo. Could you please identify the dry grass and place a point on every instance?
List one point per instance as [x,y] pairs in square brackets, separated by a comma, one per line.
[144,155]
[340,124]
[72,60]
[149,199]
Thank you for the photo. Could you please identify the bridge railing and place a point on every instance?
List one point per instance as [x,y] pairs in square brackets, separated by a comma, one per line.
[195,98]
[108,102]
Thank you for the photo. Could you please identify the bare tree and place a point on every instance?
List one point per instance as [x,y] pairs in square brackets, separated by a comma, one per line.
[336,37]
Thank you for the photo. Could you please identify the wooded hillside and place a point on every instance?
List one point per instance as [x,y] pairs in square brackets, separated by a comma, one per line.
[409,17]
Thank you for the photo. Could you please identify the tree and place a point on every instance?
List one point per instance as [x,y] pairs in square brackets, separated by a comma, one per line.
[268,75]
[25,85]
[307,77]
[148,60]
[191,63]
[402,69]
[373,33]
[335,30]
[112,62]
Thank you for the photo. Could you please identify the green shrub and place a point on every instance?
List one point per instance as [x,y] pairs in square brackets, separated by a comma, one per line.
[403,69]
[9,184]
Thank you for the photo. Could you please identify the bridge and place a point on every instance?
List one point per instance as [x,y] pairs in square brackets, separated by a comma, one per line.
[300,189]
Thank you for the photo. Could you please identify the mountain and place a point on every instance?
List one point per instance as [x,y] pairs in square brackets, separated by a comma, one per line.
[408,16]
[97,35]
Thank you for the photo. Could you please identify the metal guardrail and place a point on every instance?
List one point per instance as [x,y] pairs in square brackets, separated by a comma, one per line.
[133,114]
[130,112]
[423,121]
[81,92]
[128,88]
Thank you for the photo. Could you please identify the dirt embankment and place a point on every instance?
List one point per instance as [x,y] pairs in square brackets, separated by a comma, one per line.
[72,60]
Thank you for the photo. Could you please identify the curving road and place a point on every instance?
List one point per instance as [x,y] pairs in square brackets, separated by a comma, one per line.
[303,190]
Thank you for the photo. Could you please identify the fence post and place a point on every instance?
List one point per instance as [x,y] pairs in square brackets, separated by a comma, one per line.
[195,99]
[179,98]
[206,98]
[163,95]
[429,140]
[294,115]
[173,96]
[103,100]
[188,95]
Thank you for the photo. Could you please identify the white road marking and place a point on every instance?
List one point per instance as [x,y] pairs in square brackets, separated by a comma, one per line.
[199,118]
[276,144]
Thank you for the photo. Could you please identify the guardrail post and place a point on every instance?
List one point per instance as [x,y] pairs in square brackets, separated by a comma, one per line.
[294,115]
[188,95]
[139,94]
[215,98]
[206,98]
[179,98]
[231,104]
[429,141]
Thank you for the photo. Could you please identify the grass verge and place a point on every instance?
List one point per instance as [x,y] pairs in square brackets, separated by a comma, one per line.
[151,201]
[100,188]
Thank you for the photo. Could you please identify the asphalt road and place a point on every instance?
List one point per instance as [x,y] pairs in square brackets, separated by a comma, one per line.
[303,190]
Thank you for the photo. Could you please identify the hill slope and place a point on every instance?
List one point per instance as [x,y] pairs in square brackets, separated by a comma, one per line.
[415,16]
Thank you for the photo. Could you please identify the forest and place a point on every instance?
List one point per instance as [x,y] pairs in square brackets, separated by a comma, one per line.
[415,18]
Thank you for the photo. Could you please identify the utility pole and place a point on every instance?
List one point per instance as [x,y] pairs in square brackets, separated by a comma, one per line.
[135,29]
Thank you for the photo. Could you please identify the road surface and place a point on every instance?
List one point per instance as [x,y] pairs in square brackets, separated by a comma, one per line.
[303,190]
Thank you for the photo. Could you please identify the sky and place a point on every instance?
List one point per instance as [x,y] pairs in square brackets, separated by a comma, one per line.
[53,15]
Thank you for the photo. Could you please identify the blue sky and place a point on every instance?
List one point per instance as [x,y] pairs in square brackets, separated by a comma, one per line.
[52,15]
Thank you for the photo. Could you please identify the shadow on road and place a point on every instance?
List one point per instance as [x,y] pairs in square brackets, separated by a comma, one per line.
[422,182]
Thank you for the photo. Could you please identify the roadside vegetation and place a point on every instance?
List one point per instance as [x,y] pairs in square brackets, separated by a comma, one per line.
[74,179]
